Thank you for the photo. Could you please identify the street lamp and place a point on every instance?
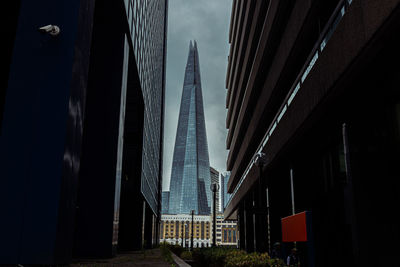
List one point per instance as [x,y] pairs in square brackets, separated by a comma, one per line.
[214,188]
[183,228]
[191,238]
[260,161]
[186,233]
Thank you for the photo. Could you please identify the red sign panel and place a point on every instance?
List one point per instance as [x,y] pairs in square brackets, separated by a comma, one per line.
[294,228]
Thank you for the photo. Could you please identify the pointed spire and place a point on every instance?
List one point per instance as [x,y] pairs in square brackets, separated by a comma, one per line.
[190,172]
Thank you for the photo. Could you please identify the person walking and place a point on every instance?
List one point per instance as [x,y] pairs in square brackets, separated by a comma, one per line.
[293,258]
[276,252]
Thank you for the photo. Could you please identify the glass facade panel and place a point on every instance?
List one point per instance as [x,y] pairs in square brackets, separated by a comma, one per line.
[120,142]
[150,17]
[225,196]
[164,202]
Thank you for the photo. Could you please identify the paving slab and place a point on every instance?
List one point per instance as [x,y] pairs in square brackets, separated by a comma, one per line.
[151,257]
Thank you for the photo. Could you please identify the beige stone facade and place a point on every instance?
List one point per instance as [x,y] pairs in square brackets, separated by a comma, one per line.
[177,229]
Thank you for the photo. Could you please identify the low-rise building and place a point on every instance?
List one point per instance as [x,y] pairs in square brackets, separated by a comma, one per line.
[176,229]
[227,232]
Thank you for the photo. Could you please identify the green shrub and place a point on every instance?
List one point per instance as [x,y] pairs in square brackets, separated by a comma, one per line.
[186,255]
[276,263]
[211,256]
[242,259]
[231,257]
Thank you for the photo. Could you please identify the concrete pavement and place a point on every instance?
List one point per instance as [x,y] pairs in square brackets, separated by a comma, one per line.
[151,257]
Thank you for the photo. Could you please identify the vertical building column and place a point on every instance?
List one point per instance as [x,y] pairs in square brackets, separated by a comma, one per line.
[348,195]
[254,211]
[148,226]
[259,206]
[248,206]
[260,215]
[142,243]
[268,245]
[240,227]
[244,228]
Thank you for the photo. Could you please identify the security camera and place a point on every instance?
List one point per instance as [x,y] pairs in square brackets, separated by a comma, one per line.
[53,30]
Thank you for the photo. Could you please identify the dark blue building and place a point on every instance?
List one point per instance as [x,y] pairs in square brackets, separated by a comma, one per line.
[81,121]
[190,175]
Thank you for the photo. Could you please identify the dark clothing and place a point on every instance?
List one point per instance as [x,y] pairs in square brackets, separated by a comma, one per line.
[292,259]
[276,254]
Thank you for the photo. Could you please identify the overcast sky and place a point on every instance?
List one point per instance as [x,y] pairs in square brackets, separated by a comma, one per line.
[206,21]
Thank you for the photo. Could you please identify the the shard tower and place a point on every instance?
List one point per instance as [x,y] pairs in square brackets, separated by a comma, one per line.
[190,174]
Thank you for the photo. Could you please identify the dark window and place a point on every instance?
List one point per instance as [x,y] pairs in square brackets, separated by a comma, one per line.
[225,235]
[202,230]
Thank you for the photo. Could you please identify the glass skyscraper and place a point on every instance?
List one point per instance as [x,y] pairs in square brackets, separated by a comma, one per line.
[190,174]
[225,196]
[214,174]
[164,202]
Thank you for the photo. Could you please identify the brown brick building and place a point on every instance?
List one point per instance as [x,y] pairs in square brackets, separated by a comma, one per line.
[313,86]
